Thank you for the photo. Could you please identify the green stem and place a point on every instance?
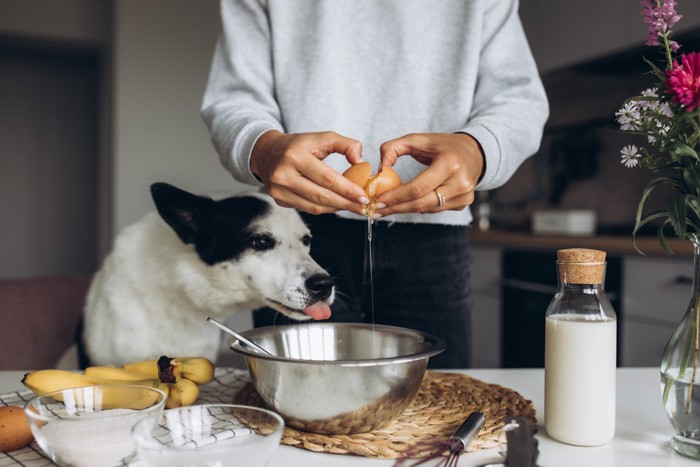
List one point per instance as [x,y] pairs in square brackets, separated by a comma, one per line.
[666,43]
[686,354]
[667,49]
[694,331]
[669,58]
[696,131]
[667,389]
[696,346]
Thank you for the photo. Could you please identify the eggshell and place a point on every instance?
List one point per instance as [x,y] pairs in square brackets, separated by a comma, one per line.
[386,179]
[374,185]
[359,173]
[15,432]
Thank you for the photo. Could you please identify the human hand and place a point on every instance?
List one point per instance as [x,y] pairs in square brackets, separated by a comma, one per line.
[455,163]
[291,168]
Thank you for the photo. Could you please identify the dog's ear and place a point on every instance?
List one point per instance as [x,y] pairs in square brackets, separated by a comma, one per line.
[182,211]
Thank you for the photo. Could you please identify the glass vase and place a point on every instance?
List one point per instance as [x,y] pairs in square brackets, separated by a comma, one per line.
[680,375]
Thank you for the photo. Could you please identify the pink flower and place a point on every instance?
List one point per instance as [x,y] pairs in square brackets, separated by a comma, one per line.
[683,81]
[660,16]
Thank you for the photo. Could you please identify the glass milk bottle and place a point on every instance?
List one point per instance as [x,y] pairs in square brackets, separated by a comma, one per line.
[580,352]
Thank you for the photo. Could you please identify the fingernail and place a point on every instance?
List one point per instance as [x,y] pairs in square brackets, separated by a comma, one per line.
[380,205]
[364,200]
[376,215]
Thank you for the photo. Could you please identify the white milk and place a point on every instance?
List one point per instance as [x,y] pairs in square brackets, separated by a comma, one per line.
[580,380]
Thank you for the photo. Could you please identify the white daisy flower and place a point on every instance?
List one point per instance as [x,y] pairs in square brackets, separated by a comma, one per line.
[663,128]
[651,92]
[630,155]
[627,125]
[652,103]
[628,116]
[666,110]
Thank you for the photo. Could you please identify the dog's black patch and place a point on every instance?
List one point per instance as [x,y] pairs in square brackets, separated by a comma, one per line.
[219,230]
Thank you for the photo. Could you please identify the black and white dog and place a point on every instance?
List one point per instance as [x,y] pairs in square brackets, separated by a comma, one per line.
[198,257]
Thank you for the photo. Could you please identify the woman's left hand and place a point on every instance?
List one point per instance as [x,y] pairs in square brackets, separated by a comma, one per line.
[455,163]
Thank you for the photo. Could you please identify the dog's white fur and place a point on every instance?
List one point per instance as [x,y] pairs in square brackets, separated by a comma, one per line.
[153,293]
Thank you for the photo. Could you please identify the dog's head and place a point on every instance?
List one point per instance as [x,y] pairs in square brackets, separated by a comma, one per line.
[249,242]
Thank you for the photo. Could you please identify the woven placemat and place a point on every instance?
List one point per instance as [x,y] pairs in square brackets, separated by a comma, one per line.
[441,405]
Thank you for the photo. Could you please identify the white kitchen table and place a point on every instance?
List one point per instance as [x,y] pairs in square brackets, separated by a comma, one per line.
[641,438]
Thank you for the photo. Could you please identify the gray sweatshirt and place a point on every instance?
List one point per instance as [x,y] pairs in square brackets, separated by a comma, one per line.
[375,70]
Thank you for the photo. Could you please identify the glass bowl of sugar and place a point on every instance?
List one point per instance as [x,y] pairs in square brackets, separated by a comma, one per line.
[91,426]
[221,435]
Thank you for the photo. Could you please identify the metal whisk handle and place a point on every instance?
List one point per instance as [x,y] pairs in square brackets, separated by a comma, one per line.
[469,429]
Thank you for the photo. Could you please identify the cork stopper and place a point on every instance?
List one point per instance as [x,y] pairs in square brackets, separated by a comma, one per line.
[581,266]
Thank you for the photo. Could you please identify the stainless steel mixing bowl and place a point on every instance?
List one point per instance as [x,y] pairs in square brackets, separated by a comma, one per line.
[337,378]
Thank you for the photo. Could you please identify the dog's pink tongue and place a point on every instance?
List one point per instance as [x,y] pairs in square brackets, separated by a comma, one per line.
[318,311]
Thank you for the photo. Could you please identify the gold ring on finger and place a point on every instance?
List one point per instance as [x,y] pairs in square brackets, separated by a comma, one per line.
[441,199]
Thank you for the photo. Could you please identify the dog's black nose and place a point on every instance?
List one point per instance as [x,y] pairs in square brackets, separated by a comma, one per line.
[319,286]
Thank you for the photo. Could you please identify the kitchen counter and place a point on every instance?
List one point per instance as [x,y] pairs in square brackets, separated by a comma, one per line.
[641,439]
[613,244]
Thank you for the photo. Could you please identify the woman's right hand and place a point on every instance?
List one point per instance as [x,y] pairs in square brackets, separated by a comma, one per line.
[291,168]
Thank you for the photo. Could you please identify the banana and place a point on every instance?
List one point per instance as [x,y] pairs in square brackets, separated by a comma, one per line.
[140,398]
[177,377]
[45,381]
[183,392]
[111,372]
[147,367]
[197,369]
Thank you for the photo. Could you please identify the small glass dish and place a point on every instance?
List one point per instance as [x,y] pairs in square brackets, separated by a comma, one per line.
[91,426]
[221,435]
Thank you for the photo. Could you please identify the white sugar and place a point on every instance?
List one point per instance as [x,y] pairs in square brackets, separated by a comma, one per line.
[93,439]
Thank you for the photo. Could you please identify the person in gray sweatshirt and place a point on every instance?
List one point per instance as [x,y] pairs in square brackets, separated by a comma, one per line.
[447,92]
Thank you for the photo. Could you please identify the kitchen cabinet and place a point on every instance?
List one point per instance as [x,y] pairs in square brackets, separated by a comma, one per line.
[643,343]
[82,23]
[567,33]
[655,293]
[530,281]
[656,296]
[486,307]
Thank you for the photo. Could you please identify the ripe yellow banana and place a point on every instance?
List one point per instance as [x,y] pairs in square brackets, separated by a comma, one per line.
[147,367]
[182,392]
[197,369]
[111,372]
[141,398]
[45,381]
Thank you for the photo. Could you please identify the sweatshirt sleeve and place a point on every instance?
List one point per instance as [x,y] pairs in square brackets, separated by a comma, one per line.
[510,105]
[239,104]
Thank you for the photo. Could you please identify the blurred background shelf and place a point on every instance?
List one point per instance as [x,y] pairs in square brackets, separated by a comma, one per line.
[613,244]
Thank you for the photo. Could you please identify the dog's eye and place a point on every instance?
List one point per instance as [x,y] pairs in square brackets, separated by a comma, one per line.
[262,242]
[306,240]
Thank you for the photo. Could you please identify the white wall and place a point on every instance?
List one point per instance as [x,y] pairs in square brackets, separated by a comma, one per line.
[48,162]
[161,57]
[157,55]
[50,154]
[162,53]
